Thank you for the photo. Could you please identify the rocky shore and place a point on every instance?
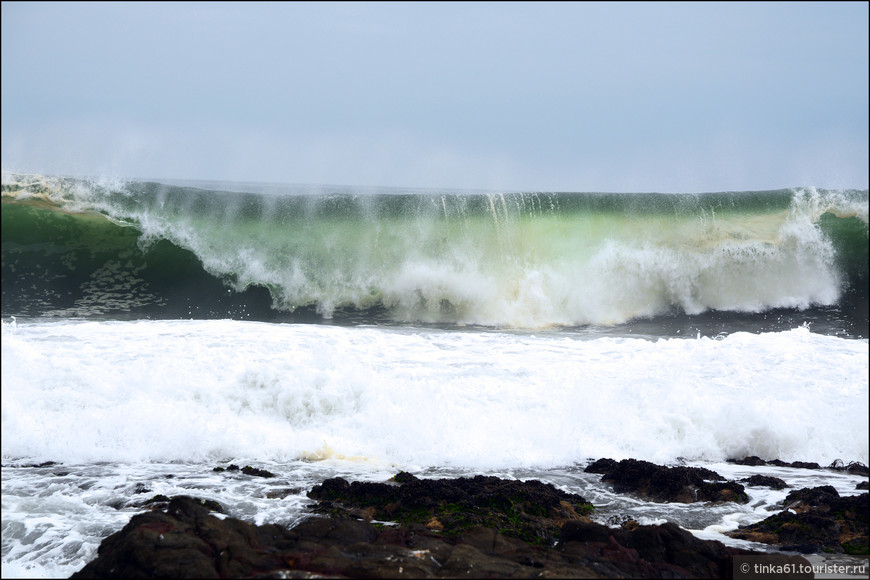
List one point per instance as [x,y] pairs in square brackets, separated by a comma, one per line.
[474,527]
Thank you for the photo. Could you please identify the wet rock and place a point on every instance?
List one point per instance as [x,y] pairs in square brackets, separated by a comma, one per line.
[622,521]
[665,544]
[141,488]
[671,484]
[803,465]
[855,467]
[248,470]
[765,481]
[815,520]
[283,492]
[801,499]
[31,465]
[602,465]
[185,540]
[752,460]
[160,501]
[530,510]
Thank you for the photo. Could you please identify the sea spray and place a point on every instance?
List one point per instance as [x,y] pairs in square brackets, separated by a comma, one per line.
[526,260]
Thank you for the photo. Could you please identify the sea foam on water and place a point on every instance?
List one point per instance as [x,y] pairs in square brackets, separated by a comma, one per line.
[193,390]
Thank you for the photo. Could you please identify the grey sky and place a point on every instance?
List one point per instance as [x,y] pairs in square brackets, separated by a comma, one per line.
[563,96]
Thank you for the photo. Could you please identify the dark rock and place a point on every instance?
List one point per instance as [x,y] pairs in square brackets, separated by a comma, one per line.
[43,464]
[212,505]
[530,510]
[721,492]
[161,501]
[672,544]
[815,520]
[795,464]
[753,460]
[646,551]
[185,541]
[141,488]
[805,465]
[248,470]
[584,531]
[811,496]
[765,481]
[283,492]
[622,521]
[863,485]
[855,467]
[672,484]
[602,465]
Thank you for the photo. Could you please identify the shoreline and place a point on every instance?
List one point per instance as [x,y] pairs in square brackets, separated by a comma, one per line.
[483,526]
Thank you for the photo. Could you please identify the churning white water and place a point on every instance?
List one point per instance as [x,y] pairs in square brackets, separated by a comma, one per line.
[158,404]
[203,390]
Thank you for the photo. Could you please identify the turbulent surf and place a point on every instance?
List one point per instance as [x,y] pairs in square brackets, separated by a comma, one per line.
[80,248]
[154,330]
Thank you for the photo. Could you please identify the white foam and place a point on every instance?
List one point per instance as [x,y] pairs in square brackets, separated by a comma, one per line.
[195,390]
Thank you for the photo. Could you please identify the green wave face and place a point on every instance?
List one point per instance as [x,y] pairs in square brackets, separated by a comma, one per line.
[509,259]
[57,263]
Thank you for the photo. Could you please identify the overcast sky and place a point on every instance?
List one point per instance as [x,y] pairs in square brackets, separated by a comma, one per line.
[522,96]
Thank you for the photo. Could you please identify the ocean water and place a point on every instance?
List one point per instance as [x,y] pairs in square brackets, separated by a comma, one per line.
[153,331]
